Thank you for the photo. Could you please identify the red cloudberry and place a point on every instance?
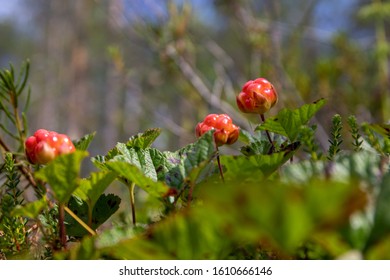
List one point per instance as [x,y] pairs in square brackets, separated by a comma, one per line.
[45,145]
[257,97]
[225,131]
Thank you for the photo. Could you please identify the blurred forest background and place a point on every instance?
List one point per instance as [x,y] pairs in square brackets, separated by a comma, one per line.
[118,67]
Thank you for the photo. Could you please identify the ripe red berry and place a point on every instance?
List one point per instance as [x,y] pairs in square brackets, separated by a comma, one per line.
[44,146]
[225,131]
[44,152]
[41,135]
[257,97]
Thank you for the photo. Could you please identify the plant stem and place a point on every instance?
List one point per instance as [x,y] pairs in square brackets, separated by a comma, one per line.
[19,125]
[219,163]
[61,220]
[267,132]
[132,202]
[81,222]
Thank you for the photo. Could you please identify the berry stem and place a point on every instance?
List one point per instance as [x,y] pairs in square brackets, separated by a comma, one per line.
[262,117]
[61,223]
[132,202]
[219,163]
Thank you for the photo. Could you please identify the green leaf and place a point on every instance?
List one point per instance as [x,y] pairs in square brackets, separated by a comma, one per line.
[30,210]
[84,142]
[91,188]
[144,140]
[182,162]
[133,174]
[173,168]
[256,148]
[245,136]
[383,129]
[62,174]
[288,122]
[361,165]
[255,167]
[105,207]
[141,158]
[140,141]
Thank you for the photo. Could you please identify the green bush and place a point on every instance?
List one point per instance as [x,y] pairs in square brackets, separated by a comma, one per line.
[287,199]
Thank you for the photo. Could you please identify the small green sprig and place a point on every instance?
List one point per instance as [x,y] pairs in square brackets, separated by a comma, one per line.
[380,142]
[336,138]
[354,129]
[11,88]
[308,141]
[13,229]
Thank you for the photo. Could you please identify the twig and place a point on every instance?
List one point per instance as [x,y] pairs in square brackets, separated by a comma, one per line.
[202,89]
[81,222]
[132,203]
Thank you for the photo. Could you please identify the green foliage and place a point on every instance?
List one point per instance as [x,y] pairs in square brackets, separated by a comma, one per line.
[275,201]
[307,137]
[354,129]
[83,143]
[12,229]
[92,187]
[288,122]
[104,208]
[254,167]
[159,169]
[336,138]
[11,89]
[30,210]
[381,223]
[62,174]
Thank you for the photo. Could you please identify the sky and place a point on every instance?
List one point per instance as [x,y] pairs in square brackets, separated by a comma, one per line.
[330,14]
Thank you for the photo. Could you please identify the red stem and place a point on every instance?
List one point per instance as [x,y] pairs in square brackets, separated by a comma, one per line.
[61,222]
[267,132]
[219,164]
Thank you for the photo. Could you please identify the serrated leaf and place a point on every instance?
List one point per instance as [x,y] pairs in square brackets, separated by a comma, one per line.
[140,141]
[91,188]
[173,168]
[30,210]
[62,174]
[144,140]
[83,143]
[245,136]
[288,122]
[141,158]
[254,167]
[132,173]
[256,148]
[361,165]
[105,207]
[181,163]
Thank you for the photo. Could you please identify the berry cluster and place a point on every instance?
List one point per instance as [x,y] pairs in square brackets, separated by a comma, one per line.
[225,131]
[45,145]
[257,97]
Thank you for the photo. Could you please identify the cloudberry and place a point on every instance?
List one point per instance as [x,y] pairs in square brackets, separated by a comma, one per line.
[45,145]
[225,131]
[257,97]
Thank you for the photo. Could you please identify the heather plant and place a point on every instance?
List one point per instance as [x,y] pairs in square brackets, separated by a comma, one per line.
[277,196]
